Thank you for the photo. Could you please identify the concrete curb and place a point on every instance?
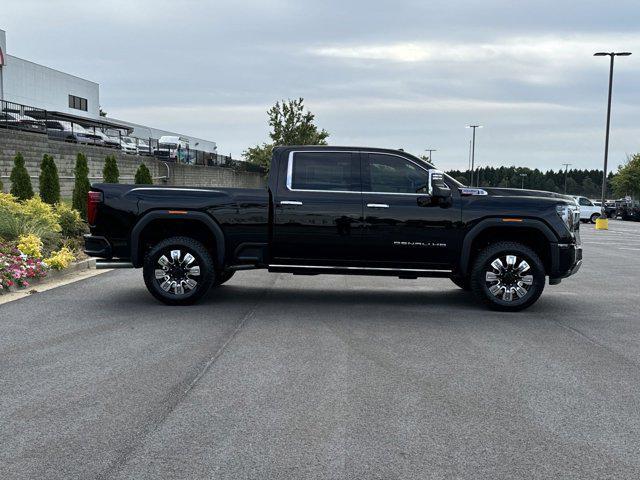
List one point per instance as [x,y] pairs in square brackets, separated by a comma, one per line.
[54,275]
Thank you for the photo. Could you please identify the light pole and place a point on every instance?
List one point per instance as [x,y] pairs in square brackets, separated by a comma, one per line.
[603,217]
[566,169]
[430,150]
[473,150]
[522,177]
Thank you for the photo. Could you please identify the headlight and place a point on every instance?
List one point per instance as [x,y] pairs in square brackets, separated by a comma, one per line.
[570,215]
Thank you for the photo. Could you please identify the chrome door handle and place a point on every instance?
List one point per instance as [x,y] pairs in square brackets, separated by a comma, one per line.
[377,205]
[290,202]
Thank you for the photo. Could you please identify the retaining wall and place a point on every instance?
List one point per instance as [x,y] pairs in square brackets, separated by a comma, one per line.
[34,145]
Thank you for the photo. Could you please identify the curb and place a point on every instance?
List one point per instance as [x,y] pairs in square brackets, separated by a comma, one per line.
[82,265]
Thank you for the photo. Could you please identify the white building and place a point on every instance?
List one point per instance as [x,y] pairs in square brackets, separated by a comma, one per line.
[27,83]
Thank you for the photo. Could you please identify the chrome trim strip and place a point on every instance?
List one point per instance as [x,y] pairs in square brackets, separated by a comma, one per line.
[382,269]
[174,189]
[377,205]
[290,202]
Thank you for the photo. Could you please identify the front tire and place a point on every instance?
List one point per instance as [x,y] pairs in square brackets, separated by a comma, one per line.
[594,217]
[178,271]
[507,276]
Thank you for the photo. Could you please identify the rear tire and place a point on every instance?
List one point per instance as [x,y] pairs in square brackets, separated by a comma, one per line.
[508,276]
[178,271]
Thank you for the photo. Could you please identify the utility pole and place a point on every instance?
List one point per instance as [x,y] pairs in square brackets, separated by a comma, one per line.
[469,166]
[430,150]
[604,224]
[522,176]
[566,169]
[473,150]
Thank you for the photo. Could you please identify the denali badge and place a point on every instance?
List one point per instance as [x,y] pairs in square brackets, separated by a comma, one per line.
[398,243]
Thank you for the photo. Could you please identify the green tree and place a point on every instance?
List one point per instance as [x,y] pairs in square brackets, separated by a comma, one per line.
[627,180]
[49,181]
[110,172]
[20,180]
[143,175]
[290,125]
[82,185]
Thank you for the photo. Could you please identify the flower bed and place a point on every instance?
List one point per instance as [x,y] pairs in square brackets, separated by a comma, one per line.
[18,269]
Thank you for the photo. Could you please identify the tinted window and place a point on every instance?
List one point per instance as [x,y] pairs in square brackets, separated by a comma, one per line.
[391,174]
[585,202]
[325,171]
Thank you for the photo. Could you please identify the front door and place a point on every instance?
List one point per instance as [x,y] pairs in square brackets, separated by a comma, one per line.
[403,227]
[318,210]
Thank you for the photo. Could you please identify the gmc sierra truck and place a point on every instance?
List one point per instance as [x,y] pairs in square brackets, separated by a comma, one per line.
[340,210]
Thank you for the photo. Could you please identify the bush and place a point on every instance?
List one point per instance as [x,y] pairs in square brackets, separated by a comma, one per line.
[20,181]
[143,175]
[81,186]
[60,259]
[71,224]
[110,172]
[30,245]
[36,208]
[49,181]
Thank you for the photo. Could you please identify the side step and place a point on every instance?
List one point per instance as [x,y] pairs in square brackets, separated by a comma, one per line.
[105,264]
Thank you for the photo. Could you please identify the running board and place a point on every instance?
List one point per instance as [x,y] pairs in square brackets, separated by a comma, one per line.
[408,273]
[105,264]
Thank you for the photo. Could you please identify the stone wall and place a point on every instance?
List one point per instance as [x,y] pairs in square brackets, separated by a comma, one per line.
[33,146]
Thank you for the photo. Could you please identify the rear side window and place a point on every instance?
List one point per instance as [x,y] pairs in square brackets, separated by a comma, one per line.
[327,171]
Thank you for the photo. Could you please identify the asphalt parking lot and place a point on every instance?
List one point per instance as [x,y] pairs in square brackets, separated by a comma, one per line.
[276,376]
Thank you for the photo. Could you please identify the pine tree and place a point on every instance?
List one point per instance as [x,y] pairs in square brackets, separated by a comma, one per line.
[82,185]
[110,172]
[20,181]
[49,181]
[143,175]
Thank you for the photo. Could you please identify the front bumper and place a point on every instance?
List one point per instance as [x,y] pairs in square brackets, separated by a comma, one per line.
[566,260]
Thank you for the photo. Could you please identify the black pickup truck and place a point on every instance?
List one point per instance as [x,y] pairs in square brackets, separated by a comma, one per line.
[340,210]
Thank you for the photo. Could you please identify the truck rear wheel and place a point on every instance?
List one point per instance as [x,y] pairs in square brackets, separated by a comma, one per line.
[178,271]
[507,276]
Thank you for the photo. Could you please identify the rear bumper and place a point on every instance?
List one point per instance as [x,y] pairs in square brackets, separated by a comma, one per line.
[96,246]
[566,260]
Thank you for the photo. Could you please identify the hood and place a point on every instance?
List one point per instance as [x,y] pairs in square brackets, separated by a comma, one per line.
[518,192]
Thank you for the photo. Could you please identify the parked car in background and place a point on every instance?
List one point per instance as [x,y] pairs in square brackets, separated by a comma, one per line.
[108,141]
[589,211]
[68,132]
[174,148]
[21,122]
[128,145]
[143,147]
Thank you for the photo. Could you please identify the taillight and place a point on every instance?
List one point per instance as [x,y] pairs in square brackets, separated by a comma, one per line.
[93,199]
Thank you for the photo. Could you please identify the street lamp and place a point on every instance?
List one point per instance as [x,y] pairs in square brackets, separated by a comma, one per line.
[473,150]
[602,222]
[522,177]
[430,150]
[566,169]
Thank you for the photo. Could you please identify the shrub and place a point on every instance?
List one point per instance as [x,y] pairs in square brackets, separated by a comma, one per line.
[81,186]
[1,186]
[60,259]
[34,208]
[9,203]
[17,269]
[71,224]
[143,175]
[49,181]
[110,172]
[30,245]
[20,181]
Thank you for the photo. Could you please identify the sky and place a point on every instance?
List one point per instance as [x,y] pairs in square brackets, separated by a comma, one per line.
[396,74]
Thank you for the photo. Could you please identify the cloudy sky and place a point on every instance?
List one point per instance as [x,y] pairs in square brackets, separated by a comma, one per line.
[402,74]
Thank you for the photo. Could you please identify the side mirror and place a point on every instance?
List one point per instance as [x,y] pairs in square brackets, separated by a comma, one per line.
[438,189]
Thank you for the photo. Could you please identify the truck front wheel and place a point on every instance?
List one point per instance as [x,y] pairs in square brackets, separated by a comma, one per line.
[178,271]
[508,276]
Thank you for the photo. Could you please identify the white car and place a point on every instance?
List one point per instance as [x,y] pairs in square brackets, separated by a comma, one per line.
[589,211]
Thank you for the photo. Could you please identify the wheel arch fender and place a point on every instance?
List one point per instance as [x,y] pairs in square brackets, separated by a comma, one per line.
[500,223]
[200,217]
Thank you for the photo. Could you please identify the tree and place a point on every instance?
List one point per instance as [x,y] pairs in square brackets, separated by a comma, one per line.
[110,172]
[627,180]
[290,125]
[49,181]
[143,175]
[82,186]
[20,180]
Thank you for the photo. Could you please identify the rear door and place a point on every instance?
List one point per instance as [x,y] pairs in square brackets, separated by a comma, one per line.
[318,209]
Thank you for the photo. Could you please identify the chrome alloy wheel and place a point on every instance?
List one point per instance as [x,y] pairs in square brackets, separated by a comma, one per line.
[174,274]
[509,278]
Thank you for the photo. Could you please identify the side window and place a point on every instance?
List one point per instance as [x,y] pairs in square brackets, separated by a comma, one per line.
[331,171]
[391,174]
[585,202]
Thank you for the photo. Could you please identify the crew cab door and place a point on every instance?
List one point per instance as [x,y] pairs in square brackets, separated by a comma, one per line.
[404,227]
[318,209]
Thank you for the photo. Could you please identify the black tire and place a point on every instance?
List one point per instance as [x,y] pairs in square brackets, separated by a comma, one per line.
[223,277]
[594,217]
[462,282]
[180,275]
[509,277]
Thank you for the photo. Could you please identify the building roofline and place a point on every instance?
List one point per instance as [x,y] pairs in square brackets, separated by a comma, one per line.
[51,68]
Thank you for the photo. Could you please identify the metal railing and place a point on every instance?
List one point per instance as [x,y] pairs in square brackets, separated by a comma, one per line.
[16,116]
